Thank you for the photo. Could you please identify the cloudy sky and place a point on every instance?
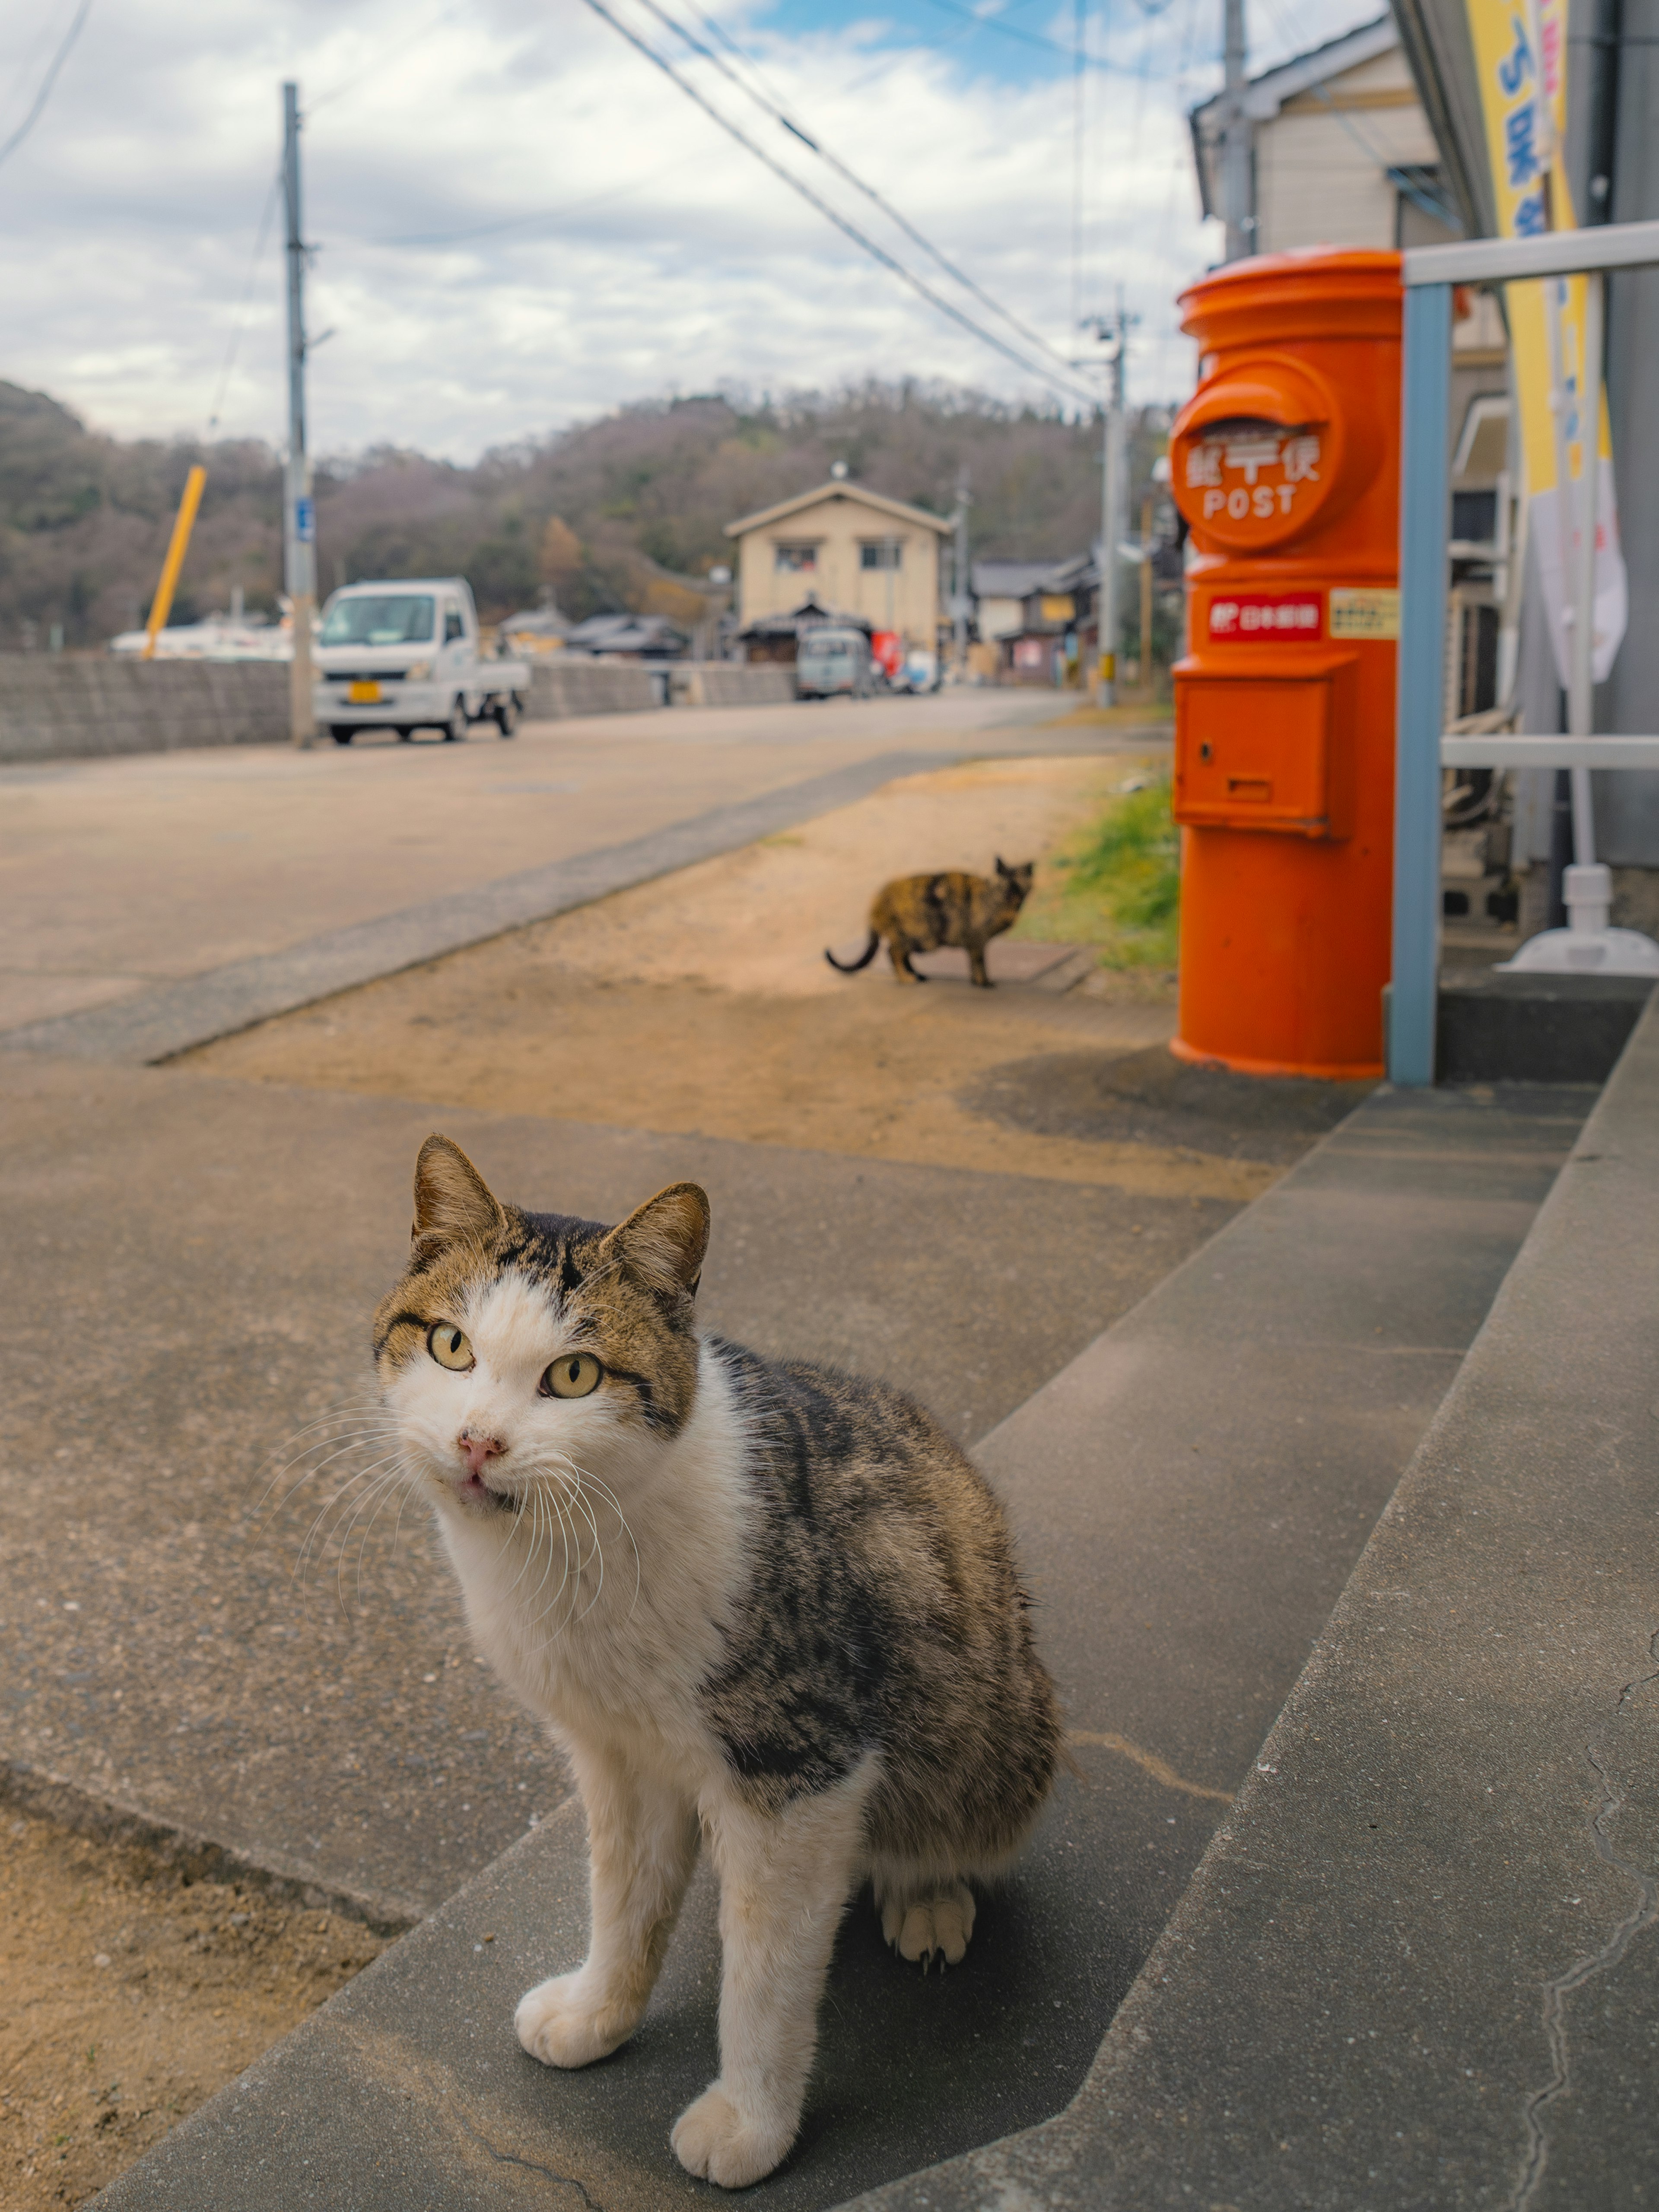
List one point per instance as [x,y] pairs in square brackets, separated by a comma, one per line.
[520,221]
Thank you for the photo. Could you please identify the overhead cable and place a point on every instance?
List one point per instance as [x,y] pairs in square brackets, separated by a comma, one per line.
[877,252]
[815,146]
[1030,38]
[46,82]
[240,323]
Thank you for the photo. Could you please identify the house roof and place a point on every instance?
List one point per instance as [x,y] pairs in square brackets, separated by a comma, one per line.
[1265,95]
[812,613]
[629,634]
[1017,579]
[838,488]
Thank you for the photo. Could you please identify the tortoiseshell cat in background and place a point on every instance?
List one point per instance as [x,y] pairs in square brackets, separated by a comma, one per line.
[917,913]
[759,1603]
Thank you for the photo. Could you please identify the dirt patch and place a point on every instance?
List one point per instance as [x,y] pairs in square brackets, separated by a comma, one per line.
[702,1004]
[128,1994]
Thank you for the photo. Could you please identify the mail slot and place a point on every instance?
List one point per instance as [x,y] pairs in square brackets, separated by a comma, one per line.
[1285,463]
[1267,751]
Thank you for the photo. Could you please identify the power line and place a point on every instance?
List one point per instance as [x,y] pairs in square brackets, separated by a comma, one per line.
[240,324]
[833,214]
[1032,38]
[813,145]
[891,61]
[46,84]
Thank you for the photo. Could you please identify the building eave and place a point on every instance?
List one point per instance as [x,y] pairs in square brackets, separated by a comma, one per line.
[836,489]
[1266,95]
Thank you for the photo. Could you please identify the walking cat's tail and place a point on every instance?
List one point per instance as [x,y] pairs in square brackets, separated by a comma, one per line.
[852,967]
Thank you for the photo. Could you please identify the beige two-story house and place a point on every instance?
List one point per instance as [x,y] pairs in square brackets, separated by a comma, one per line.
[856,552]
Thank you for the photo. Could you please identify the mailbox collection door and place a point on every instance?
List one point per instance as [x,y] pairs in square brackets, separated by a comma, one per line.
[1285,464]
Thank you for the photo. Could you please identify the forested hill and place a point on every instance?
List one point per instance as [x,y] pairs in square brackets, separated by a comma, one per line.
[608,513]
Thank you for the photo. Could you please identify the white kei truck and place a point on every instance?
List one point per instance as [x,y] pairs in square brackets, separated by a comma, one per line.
[403,655]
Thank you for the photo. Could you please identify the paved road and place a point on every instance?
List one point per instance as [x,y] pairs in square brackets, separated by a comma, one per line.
[118,875]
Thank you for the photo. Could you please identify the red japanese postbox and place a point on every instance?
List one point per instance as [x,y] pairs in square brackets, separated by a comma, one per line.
[1285,462]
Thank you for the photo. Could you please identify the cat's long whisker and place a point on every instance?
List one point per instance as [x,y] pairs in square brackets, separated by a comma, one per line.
[610,1498]
[550,1502]
[318,1537]
[340,1537]
[377,1494]
[400,1474]
[301,1440]
[344,1491]
[343,1444]
[531,1553]
[583,1478]
[542,1585]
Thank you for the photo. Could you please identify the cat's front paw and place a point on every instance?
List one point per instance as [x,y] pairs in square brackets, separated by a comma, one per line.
[716,2142]
[560,2023]
[943,1923]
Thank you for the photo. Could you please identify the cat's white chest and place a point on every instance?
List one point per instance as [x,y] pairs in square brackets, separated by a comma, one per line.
[606,1619]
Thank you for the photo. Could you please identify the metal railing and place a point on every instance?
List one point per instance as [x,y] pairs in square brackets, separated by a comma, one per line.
[1422,747]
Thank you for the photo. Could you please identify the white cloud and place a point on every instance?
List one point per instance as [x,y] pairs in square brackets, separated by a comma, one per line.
[658,256]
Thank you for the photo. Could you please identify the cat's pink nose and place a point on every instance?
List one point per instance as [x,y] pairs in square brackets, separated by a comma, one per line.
[475,1449]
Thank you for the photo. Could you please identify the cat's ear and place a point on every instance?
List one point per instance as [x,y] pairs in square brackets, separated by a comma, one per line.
[1003,868]
[664,1240]
[452,1201]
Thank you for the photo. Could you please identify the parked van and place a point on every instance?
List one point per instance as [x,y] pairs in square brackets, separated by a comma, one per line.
[404,655]
[831,661]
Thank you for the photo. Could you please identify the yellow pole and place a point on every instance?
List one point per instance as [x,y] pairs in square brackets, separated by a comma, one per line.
[162,604]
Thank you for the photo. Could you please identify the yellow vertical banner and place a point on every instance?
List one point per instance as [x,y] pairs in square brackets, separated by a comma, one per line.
[1520,60]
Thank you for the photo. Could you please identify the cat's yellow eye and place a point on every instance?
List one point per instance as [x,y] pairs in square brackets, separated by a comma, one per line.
[449,1345]
[573,1374]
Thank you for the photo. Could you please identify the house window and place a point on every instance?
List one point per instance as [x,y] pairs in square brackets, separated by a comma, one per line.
[792,559]
[880,553]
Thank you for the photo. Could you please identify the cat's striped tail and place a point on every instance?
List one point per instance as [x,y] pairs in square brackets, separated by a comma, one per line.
[852,967]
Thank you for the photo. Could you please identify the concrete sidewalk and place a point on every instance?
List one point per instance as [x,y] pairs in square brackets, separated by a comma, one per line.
[1417,1967]
[1192,1493]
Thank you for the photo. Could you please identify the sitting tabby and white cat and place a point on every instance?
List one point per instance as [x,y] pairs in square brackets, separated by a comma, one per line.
[917,913]
[758,1603]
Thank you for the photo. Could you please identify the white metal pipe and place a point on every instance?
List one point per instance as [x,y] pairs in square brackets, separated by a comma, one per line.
[1504,751]
[1553,253]
[1581,693]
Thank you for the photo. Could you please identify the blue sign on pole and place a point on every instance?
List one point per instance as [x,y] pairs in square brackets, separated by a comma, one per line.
[305,520]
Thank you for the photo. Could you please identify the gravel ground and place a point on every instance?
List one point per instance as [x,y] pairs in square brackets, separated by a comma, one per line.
[128,1994]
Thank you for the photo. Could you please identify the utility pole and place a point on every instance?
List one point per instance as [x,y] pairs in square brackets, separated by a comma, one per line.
[961,599]
[298,514]
[1236,164]
[1146,594]
[1112,492]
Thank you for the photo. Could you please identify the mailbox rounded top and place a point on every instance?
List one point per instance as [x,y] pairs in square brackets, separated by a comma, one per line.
[1258,454]
[1318,291]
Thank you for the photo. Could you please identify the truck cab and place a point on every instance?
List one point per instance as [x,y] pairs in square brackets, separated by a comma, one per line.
[404,654]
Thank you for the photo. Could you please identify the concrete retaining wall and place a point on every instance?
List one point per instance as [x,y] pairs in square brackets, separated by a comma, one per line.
[58,707]
[730,683]
[561,686]
[55,707]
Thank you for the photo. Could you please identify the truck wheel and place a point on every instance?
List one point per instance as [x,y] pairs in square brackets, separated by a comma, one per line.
[405,735]
[506,716]
[341,732]
[454,728]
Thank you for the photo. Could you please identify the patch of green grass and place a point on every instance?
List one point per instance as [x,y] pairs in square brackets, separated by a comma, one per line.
[1116,883]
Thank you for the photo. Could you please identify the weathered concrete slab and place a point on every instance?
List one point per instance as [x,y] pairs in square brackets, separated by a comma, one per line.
[1418,1965]
[1192,1493]
[202,1258]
